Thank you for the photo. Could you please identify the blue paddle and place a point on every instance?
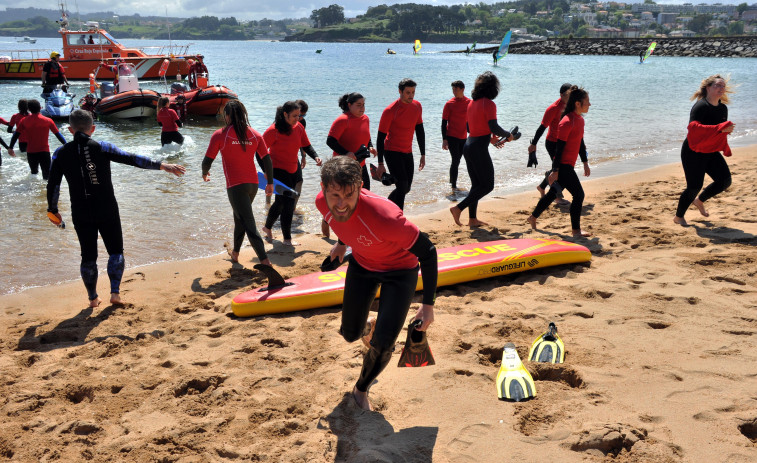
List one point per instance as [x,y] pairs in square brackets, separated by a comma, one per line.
[278,187]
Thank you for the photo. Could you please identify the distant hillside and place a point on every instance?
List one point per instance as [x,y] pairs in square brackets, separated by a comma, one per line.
[22,14]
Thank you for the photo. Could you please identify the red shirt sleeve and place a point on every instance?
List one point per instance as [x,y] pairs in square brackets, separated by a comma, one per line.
[262,148]
[51,124]
[215,144]
[304,141]
[386,118]
[445,111]
[269,137]
[338,126]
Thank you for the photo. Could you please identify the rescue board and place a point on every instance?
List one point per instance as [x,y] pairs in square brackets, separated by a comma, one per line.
[458,264]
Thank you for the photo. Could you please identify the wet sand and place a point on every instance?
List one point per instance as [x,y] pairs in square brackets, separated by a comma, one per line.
[660,333]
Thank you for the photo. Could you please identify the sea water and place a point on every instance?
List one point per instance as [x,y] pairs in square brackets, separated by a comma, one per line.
[637,119]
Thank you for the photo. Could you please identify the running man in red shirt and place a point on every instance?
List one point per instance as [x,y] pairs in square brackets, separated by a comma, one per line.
[284,139]
[455,128]
[238,144]
[570,145]
[23,111]
[551,120]
[386,251]
[36,128]
[395,140]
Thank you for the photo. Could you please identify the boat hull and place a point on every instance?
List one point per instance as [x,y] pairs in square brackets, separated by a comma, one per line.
[207,101]
[133,104]
[79,69]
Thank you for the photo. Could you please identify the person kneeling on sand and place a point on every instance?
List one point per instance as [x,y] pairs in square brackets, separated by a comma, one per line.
[386,250]
[86,165]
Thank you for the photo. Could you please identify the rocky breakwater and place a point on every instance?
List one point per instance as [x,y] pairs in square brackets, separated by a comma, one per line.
[738,47]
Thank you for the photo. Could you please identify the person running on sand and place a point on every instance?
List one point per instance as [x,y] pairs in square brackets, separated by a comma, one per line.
[85,164]
[700,154]
[551,120]
[395,140]
[482,123]
[455,128]
[570,145]
[386,251]
[284,138]
[238,144]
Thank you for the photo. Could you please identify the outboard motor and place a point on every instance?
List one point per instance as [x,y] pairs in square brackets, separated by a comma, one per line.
[58,104]
[179,87]
[107,89]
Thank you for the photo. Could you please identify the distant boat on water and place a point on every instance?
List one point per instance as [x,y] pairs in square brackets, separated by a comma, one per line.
[26,39]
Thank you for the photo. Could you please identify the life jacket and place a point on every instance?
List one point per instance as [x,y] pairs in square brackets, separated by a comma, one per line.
[55,75]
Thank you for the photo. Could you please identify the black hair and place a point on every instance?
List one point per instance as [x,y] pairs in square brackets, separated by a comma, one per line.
[280,122]
[348,99]
[303,106]
[486,86]
[23,106]
[342,171]
[576,94]
[565,87]
[80,120]
[237,115]
[34,106]
[458,84]
[406,83]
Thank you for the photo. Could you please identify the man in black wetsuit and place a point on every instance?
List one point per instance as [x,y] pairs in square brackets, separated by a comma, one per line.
[86,165]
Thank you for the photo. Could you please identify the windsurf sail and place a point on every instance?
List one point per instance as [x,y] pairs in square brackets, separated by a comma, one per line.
[417,46]
[503,47]
[649,50]
[473,47]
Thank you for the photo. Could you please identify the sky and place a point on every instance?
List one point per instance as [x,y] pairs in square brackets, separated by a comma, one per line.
[251,9]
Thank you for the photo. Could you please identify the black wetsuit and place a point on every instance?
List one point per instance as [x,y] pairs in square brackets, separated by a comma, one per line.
[401,165]
[696,165]
[397,292]
[86,165]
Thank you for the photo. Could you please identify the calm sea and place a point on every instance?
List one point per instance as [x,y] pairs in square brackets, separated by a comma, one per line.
[638,119]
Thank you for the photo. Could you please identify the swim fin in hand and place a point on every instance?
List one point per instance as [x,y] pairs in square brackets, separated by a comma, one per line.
[514,382]
[416,352]
[329,265]
[548,347]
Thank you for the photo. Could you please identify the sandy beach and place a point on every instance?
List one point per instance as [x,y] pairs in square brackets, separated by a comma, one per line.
[660,332]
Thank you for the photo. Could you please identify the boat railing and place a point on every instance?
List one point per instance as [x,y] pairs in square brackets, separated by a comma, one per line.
[26,54]
[162,50]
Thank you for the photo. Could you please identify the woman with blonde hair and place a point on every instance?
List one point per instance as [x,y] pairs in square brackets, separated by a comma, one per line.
[707,136]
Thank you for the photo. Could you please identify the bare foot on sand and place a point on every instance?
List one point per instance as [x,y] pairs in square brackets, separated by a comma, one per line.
[540,190]
[474,223]
[361,398]
[268,234]
[291,243]
[94,302]
[532,220]
[371,327]
[325,230]
[580,234]
[115,299]
[233,255]
[700,205]
[455,211]
[680,221]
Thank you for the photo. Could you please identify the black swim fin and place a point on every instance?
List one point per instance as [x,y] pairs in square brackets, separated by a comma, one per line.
[416,352]
[330,265]
[275,280]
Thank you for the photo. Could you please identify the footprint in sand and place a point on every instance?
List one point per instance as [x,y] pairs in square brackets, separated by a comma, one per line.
[467,436]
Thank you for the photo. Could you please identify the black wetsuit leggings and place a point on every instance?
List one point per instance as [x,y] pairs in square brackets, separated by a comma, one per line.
[39,160]
[108,225]
[360,287]
[695,166]
[551,149]
[168,137]
[283,205]
[241,197]
[568,179]
[481,172]
[455,146]
[402,167]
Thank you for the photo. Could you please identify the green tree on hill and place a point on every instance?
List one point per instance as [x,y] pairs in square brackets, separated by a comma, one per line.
[328,16]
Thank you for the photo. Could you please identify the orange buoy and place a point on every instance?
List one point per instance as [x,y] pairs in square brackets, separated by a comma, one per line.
[163,68]
[92,83]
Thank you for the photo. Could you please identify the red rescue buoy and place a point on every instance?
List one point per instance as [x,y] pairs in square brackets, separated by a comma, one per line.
[163,68]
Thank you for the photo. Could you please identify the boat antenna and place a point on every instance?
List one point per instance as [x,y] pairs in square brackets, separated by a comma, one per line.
[170,45]
[78,16]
